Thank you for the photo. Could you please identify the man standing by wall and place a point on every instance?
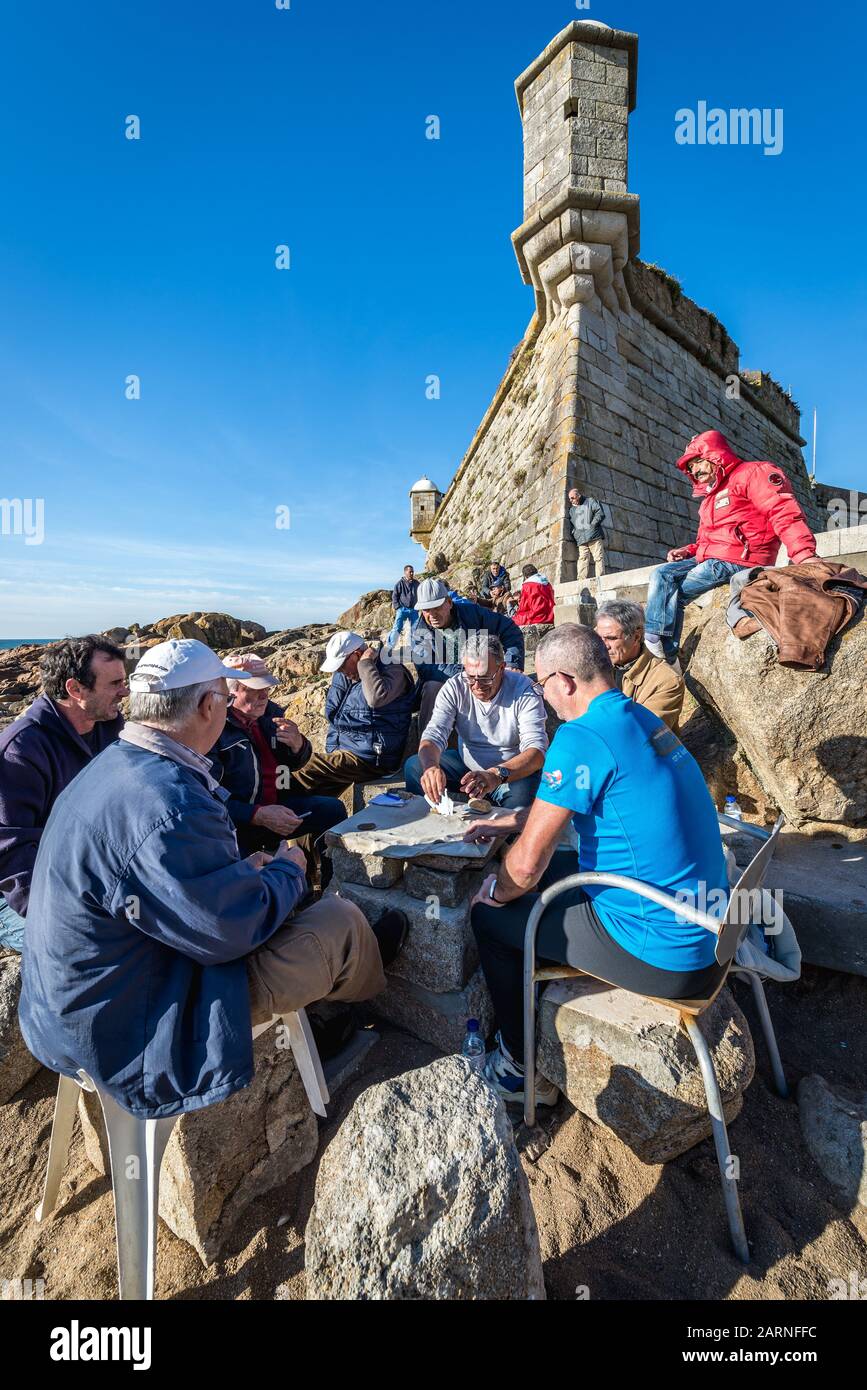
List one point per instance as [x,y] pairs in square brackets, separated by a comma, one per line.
[586,517]
[403,597]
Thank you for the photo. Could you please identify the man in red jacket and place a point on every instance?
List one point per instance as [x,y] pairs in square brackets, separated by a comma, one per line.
[537,599]
[748,511]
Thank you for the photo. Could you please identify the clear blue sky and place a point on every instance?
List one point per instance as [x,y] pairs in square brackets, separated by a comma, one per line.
[306,388]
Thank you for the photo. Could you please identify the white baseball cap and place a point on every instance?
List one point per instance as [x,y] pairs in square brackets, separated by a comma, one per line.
[179,662]
[431,593]
[339,647]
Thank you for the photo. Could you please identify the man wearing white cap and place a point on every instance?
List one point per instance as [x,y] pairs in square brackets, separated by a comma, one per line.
[151,945]
[368,707]
[254,760]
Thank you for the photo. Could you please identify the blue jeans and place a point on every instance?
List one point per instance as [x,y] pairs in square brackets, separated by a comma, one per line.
[400,618]
[672,586]
[511,794]
[11,927]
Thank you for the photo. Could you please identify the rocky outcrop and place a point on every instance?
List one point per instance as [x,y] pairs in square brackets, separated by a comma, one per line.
[17,1065]
[803,733]
[834,1126]
[370,614]
[421,1195]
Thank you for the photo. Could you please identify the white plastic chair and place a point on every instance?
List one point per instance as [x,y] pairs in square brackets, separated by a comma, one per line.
[136,1147]
[729,931]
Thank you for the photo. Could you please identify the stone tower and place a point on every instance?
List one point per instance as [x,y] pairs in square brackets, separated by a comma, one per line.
[617,369]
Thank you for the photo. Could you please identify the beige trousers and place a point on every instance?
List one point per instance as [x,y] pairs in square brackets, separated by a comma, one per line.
[594,550]
[326,951]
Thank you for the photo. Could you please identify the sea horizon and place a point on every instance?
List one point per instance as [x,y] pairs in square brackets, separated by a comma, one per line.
[7,642]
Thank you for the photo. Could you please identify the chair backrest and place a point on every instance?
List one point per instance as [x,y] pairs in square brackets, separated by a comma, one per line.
[735,924]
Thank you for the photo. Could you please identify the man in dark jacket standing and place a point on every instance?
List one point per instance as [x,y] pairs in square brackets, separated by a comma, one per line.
[403,597]
[369,707]
[152,946]
[76,717]
[586,517]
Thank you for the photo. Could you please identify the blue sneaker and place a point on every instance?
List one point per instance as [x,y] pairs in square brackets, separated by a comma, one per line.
[507,1078]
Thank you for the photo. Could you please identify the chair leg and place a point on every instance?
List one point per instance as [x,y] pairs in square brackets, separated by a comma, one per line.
[720,1137]
[136,1147]
[58,1148]
[768,1030]
[529,1037]
[307,1060]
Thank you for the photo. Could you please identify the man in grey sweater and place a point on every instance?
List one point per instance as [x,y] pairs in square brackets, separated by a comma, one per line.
[586,517]
[499,717]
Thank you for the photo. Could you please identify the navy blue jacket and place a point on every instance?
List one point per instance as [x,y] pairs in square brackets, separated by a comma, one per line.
[40,753]
[142,914]
[500,580]
[436,652]
[404,593]
[377,735]
[236,762]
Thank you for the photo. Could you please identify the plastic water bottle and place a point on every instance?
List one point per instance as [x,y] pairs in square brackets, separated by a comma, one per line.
[473,1047]
[732,808]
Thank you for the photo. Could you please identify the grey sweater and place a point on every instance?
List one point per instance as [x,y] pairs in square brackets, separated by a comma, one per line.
[489,731]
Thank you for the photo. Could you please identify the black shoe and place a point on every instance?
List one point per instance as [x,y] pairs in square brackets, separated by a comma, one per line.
[390,932]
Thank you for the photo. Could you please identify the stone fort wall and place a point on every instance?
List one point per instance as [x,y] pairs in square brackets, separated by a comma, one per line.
[618,369]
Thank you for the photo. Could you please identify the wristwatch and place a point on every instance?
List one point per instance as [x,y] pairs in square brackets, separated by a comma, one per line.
[504,773]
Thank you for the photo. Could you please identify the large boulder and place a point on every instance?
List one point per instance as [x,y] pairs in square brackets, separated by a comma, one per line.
[421,1195]
[625,1062]
[370,614]
[17,1065]
[834,1126]
[804,733]
[220,1159]
[216,629]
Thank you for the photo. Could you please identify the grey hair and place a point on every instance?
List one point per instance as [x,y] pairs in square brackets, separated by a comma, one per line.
[629,615]
[482,645]
[576,650]
[167,709]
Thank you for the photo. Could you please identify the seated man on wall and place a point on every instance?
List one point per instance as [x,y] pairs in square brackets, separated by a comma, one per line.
[499,718]
[748,511]
[369,707]
[640,807]
[648,680]
[76,716]
[537,599]
[496,586]
[254,759]
[152,946]
[439,640]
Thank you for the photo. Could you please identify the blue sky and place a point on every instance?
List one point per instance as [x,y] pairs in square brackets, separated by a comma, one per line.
[306,388]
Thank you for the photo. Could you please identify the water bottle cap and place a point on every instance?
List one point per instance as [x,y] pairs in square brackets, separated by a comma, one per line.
[730,798]
[472,1025]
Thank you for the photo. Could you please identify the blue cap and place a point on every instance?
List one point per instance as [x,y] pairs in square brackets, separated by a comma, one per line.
[472,1025]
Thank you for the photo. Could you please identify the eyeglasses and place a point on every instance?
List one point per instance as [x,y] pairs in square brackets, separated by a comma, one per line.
[483,682]
[542,684]
[222,695]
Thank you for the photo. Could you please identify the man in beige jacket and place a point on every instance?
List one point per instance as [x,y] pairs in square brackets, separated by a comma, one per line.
[648,680]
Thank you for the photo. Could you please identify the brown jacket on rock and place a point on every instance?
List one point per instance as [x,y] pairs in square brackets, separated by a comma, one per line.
[651,682]
[799,610]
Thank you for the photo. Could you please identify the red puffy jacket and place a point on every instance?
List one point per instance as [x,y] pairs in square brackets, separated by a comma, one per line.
[537,602]
[748,511]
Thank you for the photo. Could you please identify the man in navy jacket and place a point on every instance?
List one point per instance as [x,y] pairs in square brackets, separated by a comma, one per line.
[439,640]
[76,717]
[152,947]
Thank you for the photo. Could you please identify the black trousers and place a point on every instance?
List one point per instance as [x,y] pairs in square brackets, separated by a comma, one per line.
[569,933]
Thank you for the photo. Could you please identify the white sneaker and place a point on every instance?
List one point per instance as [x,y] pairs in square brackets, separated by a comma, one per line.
[653,644]
[505,1075]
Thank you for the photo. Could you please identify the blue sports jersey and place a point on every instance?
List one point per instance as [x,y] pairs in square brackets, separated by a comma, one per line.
[641,808]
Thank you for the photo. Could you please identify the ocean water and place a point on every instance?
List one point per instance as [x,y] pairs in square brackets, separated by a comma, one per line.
[6,642]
